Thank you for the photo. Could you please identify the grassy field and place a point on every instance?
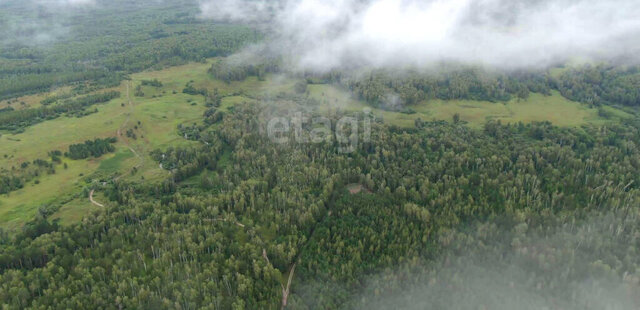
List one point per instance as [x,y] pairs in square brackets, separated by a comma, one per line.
[74,210]
[32,101]
[154,118]
[175,79]
[64,185]
[58,134]
[555,108]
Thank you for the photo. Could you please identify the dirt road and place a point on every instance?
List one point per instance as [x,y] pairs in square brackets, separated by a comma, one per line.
[93,201]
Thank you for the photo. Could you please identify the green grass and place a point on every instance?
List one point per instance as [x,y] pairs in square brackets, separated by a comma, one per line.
[58,134]
[555,108]
[228,102]
[113,163]
[19,206]
[33,101]
[176,78]
[73,211]
[225,159]
[617,114]
[158,117]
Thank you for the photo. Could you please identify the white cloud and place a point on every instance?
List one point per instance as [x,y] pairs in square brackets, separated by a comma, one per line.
[321,34]
[235,10]
[37,22]
[73,3]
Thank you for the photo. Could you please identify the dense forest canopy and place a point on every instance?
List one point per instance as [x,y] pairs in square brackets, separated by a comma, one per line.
[230,239]
[102,42]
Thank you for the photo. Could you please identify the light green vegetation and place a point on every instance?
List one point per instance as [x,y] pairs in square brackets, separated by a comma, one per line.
[74,210]
[175,79]
[228,102]
[158,119]
[113,163]
[555,108]
[617,113]
[32,101]
[59,133]
[19,206]
[156,116]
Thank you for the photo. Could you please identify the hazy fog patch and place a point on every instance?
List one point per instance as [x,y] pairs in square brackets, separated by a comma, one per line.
[65,2]
[470,283]
[38,22]
[326,34]
[584,264]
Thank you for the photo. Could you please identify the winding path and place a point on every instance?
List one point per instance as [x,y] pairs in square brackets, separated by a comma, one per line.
[93,201]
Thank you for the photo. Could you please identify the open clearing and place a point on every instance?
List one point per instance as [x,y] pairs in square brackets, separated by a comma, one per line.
[555,108]
[32,101]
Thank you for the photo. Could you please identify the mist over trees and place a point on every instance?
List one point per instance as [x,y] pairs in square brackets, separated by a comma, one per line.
[163,34]
[333,34]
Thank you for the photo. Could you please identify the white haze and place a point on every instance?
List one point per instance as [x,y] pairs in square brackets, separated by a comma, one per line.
[325,34]
[39,21]
[468,284]
[65,3]
[582,265]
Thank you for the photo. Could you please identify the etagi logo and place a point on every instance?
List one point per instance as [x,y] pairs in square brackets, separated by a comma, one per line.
[303,129]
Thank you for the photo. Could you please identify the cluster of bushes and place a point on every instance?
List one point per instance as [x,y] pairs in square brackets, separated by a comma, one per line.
[53,99]
[16,178]
[95,148]
[228,72]
[152,83]
[213,115]
[7,109]
[189,89]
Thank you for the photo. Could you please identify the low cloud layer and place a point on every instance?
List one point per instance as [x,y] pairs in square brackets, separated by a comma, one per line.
[588,264]
[469,285]
[66,2]
[324,34]
[36,22]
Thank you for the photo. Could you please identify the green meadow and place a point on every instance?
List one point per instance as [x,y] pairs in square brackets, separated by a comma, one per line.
[537,107]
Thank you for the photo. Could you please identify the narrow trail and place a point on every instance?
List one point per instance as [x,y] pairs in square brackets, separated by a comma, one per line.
[285,291]
[292,268]
[93,201]
[122,138]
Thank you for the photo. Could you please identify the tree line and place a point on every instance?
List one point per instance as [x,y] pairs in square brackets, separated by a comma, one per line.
[601,84]
[20,119]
